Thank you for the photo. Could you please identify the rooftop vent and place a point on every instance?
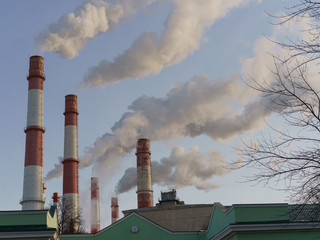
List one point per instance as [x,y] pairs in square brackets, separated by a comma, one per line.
[169,198]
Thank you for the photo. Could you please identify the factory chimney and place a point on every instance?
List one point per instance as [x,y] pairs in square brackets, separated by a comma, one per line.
[114,210]
[95,209]
[70,160]
[144,184]
[43,193]
[55,199]
[32,198]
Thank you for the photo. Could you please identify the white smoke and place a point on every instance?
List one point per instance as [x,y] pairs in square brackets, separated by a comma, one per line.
[221,109]
[56,172]
[266,67]
[181,169]
[191,109]
[149,53]
[200,106]
[72,31]
[216,108]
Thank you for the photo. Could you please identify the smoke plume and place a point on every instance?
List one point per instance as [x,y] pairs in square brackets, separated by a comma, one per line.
[72,31]
[56,172]
[150,53]
[221,109]
[181,169]
[189,109]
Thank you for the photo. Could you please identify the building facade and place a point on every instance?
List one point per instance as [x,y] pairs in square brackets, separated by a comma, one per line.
[236,222]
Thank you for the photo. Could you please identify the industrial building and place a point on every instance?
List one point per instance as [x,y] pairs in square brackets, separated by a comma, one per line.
[179,222]
[169,219]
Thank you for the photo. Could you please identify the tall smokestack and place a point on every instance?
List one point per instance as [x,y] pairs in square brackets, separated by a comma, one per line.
[114,210]
[32,198]
[70,160]
[144,184]
[95,208]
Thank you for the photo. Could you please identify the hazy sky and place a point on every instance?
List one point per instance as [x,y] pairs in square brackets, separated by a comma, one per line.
[167,70]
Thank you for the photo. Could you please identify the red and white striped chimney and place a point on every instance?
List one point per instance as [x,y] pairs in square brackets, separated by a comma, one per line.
[95,208]
[70,160]
[144,183]
[114,210]
[32,198]
[44,193]
[55,199]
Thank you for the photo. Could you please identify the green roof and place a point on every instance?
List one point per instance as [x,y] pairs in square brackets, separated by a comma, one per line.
[28,220]
[304,213]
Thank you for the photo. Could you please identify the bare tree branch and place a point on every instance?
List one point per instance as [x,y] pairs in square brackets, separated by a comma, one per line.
[292,155]
[69,222]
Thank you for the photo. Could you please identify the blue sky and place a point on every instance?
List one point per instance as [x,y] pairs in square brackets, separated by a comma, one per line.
[156,98]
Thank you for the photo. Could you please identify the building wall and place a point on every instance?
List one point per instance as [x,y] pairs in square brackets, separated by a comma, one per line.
[246,213]
[14,218]
[220,219]
[258,221]
[123,230]
[31,224]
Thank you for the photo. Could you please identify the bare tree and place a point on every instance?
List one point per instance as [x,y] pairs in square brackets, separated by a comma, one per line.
[308,10]
[294,156]
[68,222]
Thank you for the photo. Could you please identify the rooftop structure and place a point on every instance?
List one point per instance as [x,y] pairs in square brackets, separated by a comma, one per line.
[29,224]
[235,222]
[169,198]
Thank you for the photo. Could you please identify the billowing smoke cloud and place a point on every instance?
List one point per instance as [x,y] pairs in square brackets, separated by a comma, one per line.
[181,169]
[56,172]
[216,108]
[200,106]
[72,31]
[189,109]
[266,68]
[150,54]
[221,109]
